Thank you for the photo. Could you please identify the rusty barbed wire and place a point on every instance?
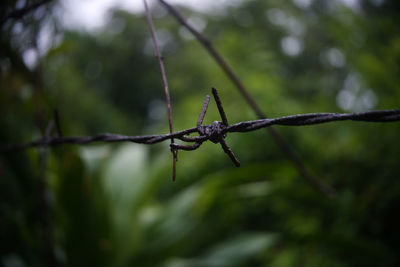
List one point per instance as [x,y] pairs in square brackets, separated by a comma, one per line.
[213,132]
[216,132]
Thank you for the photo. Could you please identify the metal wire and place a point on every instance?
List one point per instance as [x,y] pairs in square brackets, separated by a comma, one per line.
[246,126]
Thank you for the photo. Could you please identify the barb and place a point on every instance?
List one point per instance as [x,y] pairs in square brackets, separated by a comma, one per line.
[203,111]
[57,123]
[229,151]
[282,143]
[165,82]
[219,105]
[49,129]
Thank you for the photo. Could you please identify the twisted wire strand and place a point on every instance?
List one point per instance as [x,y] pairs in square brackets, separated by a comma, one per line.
[246,126]
[316,118]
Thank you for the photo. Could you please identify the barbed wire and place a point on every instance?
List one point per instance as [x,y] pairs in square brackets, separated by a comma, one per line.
[213,132]
[216,132]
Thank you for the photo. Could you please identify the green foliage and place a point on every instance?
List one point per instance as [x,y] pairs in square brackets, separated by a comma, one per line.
[115,204]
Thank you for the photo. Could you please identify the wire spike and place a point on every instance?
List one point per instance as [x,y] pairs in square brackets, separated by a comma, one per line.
[219,105]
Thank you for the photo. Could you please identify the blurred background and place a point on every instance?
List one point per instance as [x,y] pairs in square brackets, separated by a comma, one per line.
[115,204]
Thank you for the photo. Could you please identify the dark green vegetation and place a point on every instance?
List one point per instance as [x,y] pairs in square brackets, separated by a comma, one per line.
[115,204]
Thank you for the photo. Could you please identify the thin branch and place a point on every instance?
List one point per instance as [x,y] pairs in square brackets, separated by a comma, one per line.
[283,144]
[165,82]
